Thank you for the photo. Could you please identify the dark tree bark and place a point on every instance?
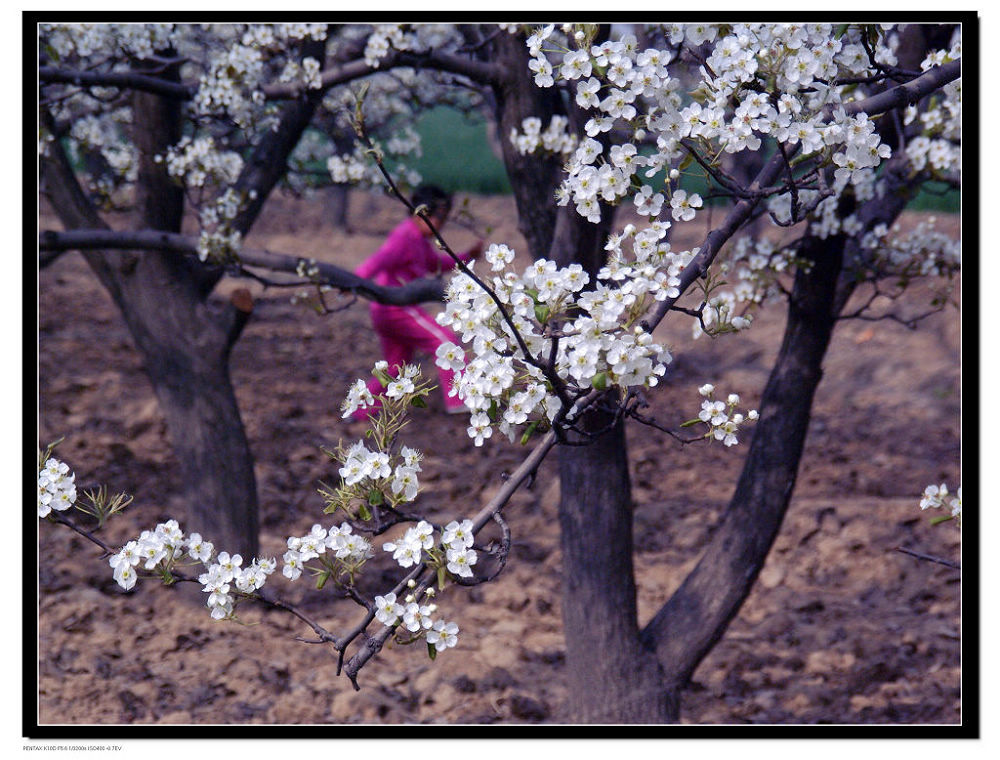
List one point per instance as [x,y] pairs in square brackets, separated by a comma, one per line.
[693,620]
[184,341]
[687,627]
[612,676]
[534,179]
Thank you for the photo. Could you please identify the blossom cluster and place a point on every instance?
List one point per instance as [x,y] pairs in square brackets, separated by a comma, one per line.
[721,417]
[455,547]
[308,73]
[590,336]
[938,146]
[161,550]
[136,41]
[720,314]
[936,496]
[777,81]
[226,572]
[386,474]
[56,487]
[103,133]
[555,138]
[231,86]
[453,553]
[757,264]
[924,250]
[416,618]
[377,471]
[414,38]
[199,161]
[217,239]
[356,168]
[759,80]
[338,549]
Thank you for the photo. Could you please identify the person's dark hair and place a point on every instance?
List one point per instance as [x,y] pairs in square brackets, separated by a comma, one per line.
[433,197]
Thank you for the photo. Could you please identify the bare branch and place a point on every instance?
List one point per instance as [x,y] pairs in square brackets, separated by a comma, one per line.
[908,92]
[930,558]
[419,291]
[120,79]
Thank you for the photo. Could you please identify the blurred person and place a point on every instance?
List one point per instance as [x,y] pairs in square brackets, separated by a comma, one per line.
[409,254]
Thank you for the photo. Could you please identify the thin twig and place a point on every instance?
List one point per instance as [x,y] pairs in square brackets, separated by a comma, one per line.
[930,558]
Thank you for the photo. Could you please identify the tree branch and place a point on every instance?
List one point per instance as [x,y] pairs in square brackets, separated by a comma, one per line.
[930,558]
[419,291]
[120,79]
[908,92]
[897,97]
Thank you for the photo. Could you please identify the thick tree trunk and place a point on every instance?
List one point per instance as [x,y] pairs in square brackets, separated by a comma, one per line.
[185,345]
[185,342]
[534,178]
[611,676]
[694,619]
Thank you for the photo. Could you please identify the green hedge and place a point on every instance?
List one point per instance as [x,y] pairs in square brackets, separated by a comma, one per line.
[458,158]
[457,155]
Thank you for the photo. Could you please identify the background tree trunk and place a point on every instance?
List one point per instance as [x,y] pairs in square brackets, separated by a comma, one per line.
[184,342]
[533,178]
[184,339]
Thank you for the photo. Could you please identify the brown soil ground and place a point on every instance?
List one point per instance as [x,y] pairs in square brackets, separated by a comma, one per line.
[840,627]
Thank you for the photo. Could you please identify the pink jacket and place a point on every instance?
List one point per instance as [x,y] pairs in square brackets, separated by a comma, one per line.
[406,255]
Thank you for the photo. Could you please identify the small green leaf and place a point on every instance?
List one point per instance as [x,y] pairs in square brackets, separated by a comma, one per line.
[685,162]
[322,579]
[689,423]
[529,432]
[542,313]
[419,402]
[600,381]
[939,520]
[359,119]
[376,497]
[364,513]
[441,578]
[432,651]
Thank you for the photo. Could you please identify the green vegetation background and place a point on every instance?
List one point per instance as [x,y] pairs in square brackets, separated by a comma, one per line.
[457,157]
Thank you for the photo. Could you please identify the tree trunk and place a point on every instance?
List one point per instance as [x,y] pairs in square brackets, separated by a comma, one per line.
[615,673]
[185,342]
[533,178]
[687,627]
[611,676]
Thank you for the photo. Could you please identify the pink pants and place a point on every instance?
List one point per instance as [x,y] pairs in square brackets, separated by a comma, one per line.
[402,331]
